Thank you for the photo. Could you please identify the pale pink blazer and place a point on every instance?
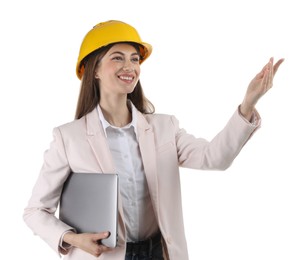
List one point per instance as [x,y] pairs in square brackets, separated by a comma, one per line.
[81,146]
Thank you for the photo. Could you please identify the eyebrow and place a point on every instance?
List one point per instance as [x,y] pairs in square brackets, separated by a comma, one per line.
[121,53]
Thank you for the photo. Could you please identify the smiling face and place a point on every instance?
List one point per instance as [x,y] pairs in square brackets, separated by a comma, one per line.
[119,70]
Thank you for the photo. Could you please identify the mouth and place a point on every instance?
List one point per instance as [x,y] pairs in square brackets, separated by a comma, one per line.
[127,78]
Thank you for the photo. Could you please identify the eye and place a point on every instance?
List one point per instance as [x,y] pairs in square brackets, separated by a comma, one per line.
[135,59]
[117,58]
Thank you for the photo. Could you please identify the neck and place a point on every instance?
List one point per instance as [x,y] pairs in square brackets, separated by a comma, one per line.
[116,111]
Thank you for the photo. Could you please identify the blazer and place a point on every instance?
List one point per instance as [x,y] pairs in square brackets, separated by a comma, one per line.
[81,146]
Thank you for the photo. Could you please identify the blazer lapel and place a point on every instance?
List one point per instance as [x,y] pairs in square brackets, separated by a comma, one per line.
[98,142]
[148,153]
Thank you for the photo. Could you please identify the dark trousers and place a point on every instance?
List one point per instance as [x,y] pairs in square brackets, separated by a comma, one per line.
[150,249]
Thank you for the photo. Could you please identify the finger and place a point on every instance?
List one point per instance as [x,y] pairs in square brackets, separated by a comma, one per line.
[270,75]
[97,250]
[265,80]
[267,76]
[101,235]
[261,74]
[277,65]
[105,248]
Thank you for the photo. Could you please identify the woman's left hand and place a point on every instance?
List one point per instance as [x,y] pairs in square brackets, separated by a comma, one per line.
[259,85]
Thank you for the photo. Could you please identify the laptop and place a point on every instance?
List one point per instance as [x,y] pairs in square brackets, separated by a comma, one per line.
[89,203]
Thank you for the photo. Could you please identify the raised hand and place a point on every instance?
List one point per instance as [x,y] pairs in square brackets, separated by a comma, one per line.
[259,85]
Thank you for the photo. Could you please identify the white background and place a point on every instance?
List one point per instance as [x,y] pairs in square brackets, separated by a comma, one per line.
[205,54]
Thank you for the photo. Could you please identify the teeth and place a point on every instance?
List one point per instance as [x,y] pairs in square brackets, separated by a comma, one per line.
[126,78]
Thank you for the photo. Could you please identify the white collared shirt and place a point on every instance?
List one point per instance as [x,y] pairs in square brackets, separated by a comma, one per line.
[140,220]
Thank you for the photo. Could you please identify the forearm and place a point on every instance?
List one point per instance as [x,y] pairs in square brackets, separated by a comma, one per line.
[68,239]
[246,111]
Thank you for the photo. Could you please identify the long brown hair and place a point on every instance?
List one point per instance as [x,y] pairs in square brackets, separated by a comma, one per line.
[89,96]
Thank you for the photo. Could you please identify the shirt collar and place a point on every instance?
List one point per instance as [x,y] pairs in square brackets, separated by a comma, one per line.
[105,124]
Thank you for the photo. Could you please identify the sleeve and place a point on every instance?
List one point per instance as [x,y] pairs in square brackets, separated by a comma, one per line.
[64,247]
[220,152]
[39,214]
[255,119]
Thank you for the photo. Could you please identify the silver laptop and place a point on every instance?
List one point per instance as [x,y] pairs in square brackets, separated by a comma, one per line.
[89,203]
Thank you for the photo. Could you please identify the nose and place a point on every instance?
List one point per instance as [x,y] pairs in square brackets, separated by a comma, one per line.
[128,66]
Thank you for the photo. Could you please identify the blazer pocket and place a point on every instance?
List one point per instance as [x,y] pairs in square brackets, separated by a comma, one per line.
[165,147]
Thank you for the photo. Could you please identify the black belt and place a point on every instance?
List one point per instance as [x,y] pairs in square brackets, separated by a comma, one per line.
[144,245]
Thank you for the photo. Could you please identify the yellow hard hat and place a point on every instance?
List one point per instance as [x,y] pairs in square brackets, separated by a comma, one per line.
[106,33]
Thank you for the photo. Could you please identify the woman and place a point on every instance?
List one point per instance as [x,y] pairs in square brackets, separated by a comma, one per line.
[116,130]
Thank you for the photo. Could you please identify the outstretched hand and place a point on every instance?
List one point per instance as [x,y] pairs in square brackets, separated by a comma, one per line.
[259,85]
